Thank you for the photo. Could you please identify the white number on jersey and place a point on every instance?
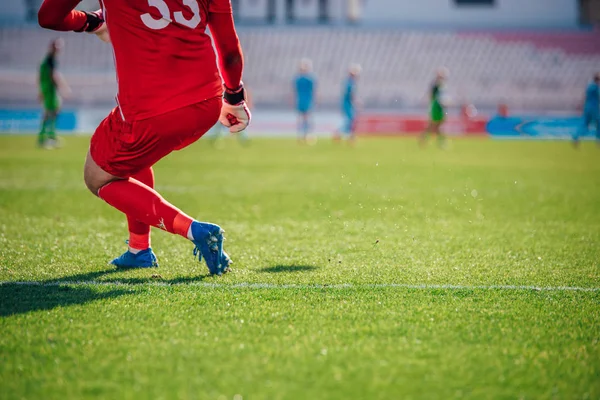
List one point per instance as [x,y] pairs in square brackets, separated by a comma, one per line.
[165,13]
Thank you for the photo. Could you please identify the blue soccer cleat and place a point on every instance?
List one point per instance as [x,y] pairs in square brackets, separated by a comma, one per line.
[226,262]
[143,259]
[208,239]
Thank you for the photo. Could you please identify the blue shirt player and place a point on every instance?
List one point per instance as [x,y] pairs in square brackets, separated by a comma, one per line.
[591,110]
[349,102]
[304,88]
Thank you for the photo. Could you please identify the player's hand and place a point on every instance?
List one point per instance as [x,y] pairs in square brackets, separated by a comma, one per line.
[235,117]
[95,24]
[94,21]
[235,113]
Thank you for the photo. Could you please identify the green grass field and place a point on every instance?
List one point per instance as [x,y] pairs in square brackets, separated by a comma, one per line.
[376,272]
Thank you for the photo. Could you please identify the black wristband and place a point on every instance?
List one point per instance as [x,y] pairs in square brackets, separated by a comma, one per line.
[236,96]
[93,21]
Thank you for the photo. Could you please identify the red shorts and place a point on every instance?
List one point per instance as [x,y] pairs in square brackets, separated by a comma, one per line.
[125,148]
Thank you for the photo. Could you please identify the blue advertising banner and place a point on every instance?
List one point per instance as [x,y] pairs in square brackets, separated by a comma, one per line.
[28,121]
[540,127]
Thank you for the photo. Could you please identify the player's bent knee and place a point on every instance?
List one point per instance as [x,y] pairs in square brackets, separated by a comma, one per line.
[94,176]
[91,187]
[96,182]
[91,181]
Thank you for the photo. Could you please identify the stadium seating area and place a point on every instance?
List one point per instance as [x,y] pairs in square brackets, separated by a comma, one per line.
[527,71]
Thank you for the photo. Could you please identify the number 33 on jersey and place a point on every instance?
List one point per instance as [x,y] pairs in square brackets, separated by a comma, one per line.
[166,39]
[178,16]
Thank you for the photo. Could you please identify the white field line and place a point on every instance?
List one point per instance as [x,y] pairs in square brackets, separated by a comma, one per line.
[308,286]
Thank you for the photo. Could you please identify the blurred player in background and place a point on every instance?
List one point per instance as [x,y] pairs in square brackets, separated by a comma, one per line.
[51,85]
[437,112]
[170,94]
[591,111]
[349,104]
[304,89]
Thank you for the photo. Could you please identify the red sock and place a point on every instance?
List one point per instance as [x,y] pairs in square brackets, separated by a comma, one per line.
[139,232]
[144,204]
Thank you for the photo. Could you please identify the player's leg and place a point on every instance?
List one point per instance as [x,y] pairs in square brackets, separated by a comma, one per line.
[348,122]
[583,129]
[352,129]
[154,138]
[424,136]
[441,138]
[309,127]
[306,125]
[300,127]
[52,106]
[437,119]
[42,133]
[51,127]
[144,204]
[435,130]
[133,198]
[139,232]
[303,121]
[139,254]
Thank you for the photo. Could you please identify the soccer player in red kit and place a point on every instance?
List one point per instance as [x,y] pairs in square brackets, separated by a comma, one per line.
[170,94]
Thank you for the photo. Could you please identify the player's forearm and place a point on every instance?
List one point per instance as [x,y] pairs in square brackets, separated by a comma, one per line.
[231,59]
[59,15]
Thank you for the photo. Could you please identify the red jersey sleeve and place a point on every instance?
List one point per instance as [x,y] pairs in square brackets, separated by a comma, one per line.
[220,6]
[231,59]
[60,15]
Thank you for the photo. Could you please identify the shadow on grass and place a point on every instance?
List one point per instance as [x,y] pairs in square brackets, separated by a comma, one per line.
[288,268]
[21,299]
[153,277]
[18,298]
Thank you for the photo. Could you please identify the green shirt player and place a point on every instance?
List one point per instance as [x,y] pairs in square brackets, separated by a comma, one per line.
[437,113]
[50,83]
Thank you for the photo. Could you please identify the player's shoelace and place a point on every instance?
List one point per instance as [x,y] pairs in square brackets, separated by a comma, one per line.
[212,242]
[225,260]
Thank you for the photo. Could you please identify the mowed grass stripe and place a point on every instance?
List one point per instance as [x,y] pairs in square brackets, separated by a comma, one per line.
[245,285]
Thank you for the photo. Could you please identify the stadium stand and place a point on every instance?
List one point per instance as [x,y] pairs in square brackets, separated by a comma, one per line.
[526,70]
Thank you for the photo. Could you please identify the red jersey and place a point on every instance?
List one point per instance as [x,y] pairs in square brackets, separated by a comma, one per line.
[163,56]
